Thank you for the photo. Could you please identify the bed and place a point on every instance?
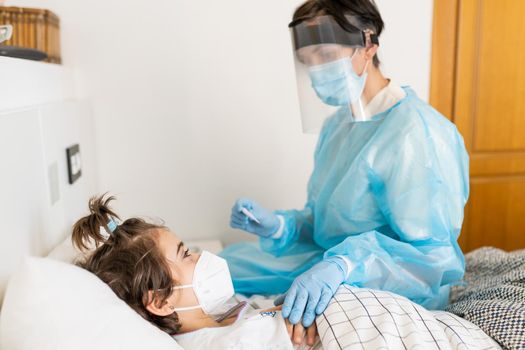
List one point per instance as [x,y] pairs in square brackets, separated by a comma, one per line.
[53,304]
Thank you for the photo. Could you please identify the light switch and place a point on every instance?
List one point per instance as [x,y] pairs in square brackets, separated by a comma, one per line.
[74,164]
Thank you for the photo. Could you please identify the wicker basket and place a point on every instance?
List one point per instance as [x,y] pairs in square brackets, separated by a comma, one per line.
[34,29]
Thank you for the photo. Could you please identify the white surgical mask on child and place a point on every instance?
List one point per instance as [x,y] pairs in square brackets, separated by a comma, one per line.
[212,283]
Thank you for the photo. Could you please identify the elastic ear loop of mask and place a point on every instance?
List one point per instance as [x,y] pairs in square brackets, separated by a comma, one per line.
[359,102]
[366,64]
[187,308]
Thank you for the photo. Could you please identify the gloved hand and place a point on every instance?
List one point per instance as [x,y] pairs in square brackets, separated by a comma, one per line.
[311,291]
[269,222]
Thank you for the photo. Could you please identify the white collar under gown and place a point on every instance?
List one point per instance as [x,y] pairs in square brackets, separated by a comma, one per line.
[387,194]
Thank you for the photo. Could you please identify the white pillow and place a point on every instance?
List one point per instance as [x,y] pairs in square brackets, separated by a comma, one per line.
[66,251]
[55,305]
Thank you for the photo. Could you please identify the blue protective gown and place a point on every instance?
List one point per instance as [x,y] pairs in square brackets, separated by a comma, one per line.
[388,194]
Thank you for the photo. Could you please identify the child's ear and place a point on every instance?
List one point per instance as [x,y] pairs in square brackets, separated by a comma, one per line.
[154,306]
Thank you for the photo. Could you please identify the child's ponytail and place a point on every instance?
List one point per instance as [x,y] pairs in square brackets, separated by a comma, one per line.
[87,229]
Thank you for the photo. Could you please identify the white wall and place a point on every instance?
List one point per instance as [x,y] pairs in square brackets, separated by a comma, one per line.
[32,142]
[406,45]
[38,120]
[195,102]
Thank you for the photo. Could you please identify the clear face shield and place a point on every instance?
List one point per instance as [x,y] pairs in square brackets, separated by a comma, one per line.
[326,80]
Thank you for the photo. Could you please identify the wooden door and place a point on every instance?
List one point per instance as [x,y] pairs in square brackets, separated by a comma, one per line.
[478,80]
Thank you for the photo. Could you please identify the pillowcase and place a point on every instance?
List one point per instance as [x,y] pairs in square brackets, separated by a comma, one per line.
[66,251]
[54,305]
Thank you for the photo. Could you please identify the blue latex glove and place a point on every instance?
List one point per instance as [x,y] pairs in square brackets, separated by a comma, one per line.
[311,292]
[269,223]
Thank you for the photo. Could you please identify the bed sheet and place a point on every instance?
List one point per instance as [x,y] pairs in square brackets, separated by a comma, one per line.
[359,318]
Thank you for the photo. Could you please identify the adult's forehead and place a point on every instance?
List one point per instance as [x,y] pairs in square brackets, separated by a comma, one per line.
[324,51]
[321,48]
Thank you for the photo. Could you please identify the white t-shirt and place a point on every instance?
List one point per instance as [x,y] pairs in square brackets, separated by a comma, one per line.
[385,99]
[253,330]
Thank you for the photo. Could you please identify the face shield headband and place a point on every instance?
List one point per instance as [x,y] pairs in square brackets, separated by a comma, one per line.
[326,30]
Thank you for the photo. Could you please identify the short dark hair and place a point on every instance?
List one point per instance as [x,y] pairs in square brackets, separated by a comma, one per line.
[364,10]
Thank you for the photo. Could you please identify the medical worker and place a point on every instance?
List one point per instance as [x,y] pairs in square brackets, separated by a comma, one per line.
[390,181]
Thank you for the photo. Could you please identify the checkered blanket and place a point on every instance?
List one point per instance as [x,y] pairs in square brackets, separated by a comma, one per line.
[494,295]
[359,318]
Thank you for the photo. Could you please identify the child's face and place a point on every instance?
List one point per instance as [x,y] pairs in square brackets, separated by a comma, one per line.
[182,265]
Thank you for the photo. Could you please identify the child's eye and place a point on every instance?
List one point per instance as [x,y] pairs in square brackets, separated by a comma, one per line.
[186,253]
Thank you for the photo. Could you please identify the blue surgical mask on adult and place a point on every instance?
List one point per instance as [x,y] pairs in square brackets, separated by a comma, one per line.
[336,83]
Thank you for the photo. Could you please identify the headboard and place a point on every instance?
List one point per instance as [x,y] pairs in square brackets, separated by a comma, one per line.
[37,203]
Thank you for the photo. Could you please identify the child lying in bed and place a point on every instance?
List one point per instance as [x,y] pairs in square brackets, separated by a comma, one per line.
[183,294]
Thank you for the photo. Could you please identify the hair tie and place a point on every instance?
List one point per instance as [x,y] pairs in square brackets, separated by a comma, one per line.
[112,225]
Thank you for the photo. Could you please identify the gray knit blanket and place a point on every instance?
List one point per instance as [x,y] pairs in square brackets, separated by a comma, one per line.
[493,295]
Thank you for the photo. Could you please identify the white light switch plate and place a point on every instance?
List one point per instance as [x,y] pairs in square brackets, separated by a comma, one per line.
[54,186]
